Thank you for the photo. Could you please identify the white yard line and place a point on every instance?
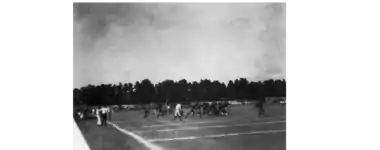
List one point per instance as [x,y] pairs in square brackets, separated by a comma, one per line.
[119,121]
[138,138]
[217,126]
[172,134]
[215,135]
[177,124]
[200,122]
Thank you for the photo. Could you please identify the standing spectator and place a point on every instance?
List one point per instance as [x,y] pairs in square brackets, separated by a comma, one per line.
[109,112]
[98,116]
[81,115]
[104,116]
[93,111]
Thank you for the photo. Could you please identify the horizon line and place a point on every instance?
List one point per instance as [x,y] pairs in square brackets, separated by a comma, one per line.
[188,81]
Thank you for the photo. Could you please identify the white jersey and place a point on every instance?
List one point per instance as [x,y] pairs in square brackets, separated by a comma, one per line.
[178,107]
[104,110]
[97,111]
[177,110]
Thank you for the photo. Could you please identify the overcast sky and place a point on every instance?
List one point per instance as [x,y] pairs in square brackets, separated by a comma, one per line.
[130,42]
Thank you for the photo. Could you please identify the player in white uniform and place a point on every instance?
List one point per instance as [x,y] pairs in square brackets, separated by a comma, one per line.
[177,112]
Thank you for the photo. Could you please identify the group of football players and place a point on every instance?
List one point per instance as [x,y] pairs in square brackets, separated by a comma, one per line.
[199,109]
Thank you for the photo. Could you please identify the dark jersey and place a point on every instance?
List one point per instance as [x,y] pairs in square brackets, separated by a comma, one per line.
[260,104]
[193,106]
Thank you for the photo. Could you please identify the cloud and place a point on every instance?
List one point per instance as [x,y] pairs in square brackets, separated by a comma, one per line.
[129,42]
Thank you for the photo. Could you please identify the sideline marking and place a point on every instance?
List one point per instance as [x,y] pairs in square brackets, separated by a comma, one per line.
[79,140]
[217,126]
[215,136]
[136,137]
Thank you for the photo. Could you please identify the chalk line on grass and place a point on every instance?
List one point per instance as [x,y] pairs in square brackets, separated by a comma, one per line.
[79,140]
[136,137]
[216,126]
[200,122]
[167,122]
[177,124]
[215,136]
[184,123]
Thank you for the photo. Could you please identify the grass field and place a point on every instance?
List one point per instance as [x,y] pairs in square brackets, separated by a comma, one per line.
[242,130]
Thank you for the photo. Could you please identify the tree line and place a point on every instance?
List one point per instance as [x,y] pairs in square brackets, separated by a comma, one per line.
[145,91]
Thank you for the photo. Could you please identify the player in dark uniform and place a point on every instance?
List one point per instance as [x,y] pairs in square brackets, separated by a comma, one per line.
[228,108]
[195,109]
[221,109]
[158,110]
[214,109]
[224,108]
[192,111]
[199,110]
[146,111]
[205,108]
[164,110]
[260,107]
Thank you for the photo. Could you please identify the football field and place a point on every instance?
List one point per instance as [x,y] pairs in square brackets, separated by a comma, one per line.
[241,130]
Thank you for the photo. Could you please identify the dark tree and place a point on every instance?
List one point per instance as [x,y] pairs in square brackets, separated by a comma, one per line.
[180,91]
